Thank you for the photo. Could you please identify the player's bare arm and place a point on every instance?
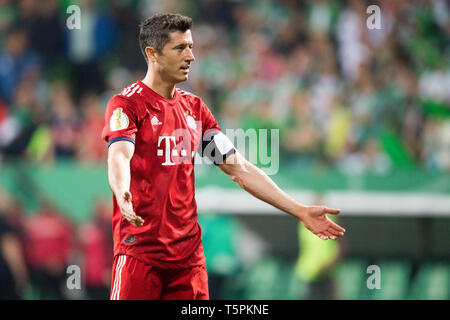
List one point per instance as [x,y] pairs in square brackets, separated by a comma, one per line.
[256,182]
[119,157]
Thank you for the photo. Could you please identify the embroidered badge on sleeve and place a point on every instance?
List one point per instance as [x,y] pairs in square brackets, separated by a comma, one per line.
[119,120]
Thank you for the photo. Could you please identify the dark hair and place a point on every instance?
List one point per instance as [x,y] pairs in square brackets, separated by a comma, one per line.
[154,31]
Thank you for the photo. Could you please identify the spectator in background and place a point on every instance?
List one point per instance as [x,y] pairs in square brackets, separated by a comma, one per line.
[301,137]
[97,247]
[15,218]
[50,247]
[16,61]
[365,158]
[88,45]
[8,15]
[249,51]
[44,28]
[352,51]
[18,126]
[436,140]
[126,21]
[91,150]
[316,261]
[13,271]
[219,233]
[65,122]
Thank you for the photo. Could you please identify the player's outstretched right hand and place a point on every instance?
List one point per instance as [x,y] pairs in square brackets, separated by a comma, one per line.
[126,207]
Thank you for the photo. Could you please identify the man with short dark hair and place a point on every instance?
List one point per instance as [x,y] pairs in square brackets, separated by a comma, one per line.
[153,130]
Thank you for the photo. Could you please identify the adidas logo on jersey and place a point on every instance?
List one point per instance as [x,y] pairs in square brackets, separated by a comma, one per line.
[155,121]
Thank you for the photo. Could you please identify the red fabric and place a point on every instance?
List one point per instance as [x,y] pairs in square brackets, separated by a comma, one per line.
[97,256]
[162,183]
[3,111]
[135,280]
[49,240]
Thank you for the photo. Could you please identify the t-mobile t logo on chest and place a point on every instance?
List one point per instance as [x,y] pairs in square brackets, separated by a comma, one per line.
[169,150]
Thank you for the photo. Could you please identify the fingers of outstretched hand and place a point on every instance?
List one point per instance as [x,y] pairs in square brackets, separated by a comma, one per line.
[325,235]
[134,219]
[332,211]
[322,236]
[329,235]
[137,221]
[336,227]
[335,232]
[126,208]
[127,212]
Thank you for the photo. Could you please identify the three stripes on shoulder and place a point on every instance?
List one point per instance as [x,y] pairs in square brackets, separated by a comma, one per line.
[135,88]
[130,90]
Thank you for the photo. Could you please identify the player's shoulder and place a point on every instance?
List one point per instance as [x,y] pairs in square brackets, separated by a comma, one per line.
[129,98]
[131,94]
[194,101]
[188,96]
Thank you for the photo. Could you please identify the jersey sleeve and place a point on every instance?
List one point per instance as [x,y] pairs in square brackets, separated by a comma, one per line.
[215,145]
[209,123]
[120,121]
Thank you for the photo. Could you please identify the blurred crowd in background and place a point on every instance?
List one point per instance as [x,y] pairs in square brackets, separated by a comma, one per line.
[36,250]
[342,96]
[340,93]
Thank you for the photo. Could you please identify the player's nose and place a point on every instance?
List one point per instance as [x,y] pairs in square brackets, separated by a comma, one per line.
[190,55]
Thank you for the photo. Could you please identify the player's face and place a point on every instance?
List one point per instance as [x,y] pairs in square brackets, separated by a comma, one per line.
[176,57]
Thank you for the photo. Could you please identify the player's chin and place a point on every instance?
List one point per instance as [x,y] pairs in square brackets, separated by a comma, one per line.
[184,77]
[180,78]
[184,74]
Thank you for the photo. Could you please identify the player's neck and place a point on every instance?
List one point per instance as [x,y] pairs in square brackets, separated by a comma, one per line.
[159,86]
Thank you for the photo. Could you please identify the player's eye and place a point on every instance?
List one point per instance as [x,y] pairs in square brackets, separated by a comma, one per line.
[182,47]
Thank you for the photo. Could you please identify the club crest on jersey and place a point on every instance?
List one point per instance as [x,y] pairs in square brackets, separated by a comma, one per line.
[191,122]
[190,119]
[119,120]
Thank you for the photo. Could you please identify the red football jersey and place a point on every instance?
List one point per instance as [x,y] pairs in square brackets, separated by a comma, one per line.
[166,134]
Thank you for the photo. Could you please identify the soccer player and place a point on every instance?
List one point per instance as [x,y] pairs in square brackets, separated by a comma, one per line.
[153,130]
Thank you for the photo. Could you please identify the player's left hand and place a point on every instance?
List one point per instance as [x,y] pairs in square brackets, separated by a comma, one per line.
[315,219]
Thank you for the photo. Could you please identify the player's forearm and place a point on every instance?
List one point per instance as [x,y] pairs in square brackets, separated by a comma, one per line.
[256,182]
[119,175]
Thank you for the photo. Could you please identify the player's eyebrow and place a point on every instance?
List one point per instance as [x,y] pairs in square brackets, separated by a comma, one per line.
[183,45]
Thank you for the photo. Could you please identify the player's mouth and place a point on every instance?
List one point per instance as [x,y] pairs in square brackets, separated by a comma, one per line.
[185,69]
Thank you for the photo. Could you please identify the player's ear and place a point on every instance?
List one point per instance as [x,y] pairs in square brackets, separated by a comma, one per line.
[150,53]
